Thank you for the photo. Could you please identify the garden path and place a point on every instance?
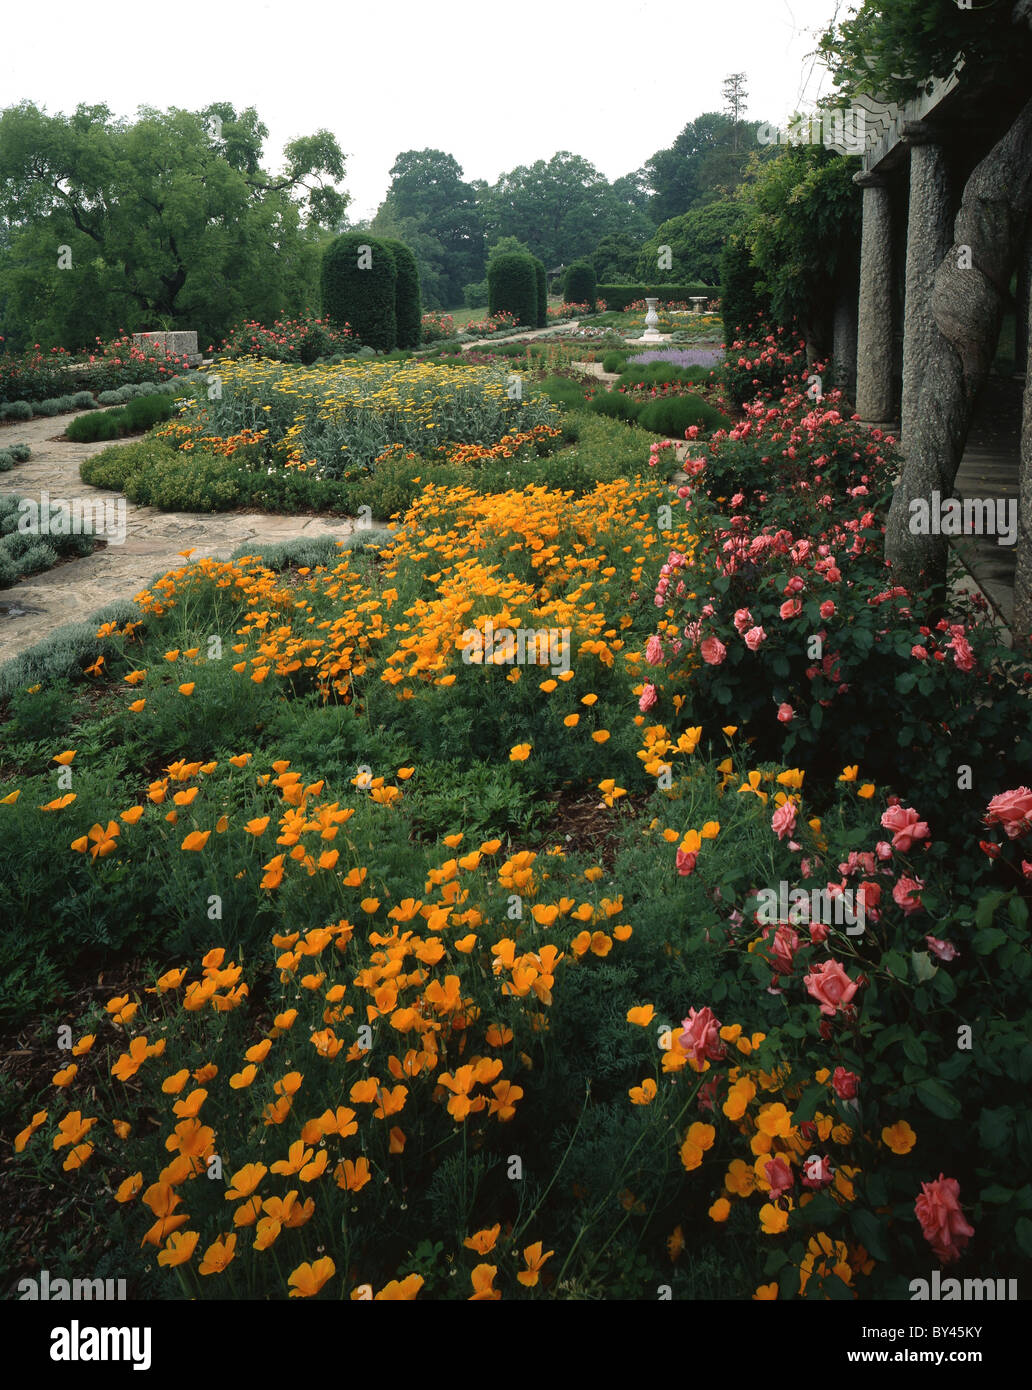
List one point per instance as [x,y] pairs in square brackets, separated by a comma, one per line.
[74,589]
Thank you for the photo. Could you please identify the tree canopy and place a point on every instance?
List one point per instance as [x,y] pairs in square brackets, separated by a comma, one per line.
[169,218]
[894,49]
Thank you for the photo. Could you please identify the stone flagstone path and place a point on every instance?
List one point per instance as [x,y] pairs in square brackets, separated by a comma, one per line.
[74,589]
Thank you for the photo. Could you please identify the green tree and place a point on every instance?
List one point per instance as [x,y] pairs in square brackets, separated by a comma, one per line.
[170,217]
[558,208]
[702,165]
[804,226]
[431,208]
[615,259]
[696,240]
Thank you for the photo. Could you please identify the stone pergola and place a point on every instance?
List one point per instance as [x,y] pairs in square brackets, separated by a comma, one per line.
[916,161]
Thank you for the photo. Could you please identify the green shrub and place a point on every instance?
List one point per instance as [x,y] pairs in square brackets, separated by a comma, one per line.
[138,414]
[512,287]
[742,303]
[408,308]
[563,391]
[359,279]
[83,400]
[542,293]
[617,297]
[474,295]
[6,460]
[154,474]
[614,361]
[672,415]
[579,284]
[617,405]
[17,410]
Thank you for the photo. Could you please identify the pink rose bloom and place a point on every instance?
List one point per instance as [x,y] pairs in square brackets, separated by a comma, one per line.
[906,894]
[905,827]
[883,849]
[795,585]
[713,651]
[818,932]
[754,637]
[779,1175]
[790,608]
[942,1221]
[945,950]
[846,1083]
[784,947]
[1012,810]
[686,863]
[818,1171]
[963,656]
[831,987]
[701,1037]
[827,609]
[654,650]
[919,653]
[783,820]
[648,698]
[742,621]
[786,714]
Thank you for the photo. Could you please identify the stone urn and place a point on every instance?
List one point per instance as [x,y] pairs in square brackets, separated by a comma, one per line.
[651,334]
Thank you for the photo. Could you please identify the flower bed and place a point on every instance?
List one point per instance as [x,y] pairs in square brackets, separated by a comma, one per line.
[545,834]
[344,417]
[36,375]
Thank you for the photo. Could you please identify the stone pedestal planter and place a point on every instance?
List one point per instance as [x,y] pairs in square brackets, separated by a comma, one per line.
[179,343]
[698,302]
[651,334]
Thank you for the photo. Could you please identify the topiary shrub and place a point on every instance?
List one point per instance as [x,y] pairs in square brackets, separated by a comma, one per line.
[579,285]
[616,405]
[359,280]
[542,292]
[512,287]
[408,306]
[674,414]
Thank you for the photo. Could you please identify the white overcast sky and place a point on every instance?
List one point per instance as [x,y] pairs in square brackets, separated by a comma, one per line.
[495,83]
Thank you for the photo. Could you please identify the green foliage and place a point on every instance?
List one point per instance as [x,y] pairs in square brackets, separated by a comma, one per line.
[163,218]
[437,214]
[696,240]
[138,415]
[617,297]
[894,48]
[672,415]
[705,162]
[359,278]
[615,258]
[542,293]
[408,308]
[618,405]
[803,230]
[154,474]
[512,287]
[743,304]
[475,295]
[579,284]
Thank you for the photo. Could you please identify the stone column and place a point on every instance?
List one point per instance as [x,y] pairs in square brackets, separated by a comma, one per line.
[1021,623]
[1024,302]
[843,349]
[929,238]
[874,385]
